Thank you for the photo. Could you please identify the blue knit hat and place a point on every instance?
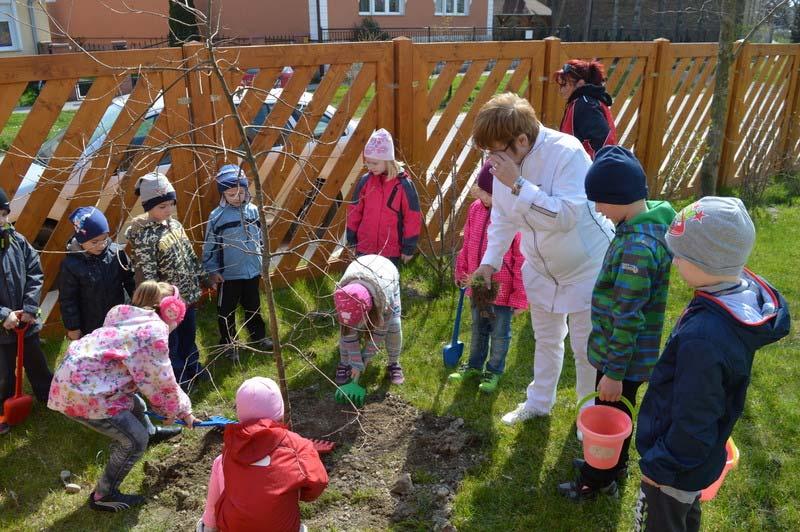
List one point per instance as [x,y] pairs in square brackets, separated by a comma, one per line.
[89,223]
[616,177]
[231,176]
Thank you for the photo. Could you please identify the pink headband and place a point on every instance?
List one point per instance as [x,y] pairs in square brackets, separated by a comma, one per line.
[352,302]
[380,146]
[172,308]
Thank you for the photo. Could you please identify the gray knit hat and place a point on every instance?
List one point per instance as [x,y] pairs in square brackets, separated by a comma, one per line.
[714,233]
[154,188]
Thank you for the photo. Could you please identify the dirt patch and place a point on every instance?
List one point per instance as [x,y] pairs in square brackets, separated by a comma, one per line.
[394,465]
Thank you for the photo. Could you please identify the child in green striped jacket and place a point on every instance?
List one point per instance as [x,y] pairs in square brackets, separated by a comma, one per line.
[629,298]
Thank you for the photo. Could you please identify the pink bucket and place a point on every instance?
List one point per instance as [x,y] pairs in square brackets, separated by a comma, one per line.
[604,430]
[732,461]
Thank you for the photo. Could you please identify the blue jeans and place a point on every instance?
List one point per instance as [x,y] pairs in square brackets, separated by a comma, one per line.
[129,432]
[183,350]
[484,328]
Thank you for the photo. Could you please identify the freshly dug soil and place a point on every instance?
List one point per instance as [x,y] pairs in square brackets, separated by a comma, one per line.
[393,465]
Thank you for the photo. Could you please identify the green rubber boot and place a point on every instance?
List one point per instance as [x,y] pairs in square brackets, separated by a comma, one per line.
[464,372]
[489,382]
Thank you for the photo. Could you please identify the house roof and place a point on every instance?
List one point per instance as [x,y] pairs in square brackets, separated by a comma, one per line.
[522,7]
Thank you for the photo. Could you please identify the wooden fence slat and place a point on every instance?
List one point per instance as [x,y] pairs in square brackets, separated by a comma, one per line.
[95,178]
[653,114]
[791,120]
[9,99]
[308,55]
[404,99]
[683,118]
[443,83]
[621,69]
[550,110]
[61,164]
[732,137]
[384,92]
[687,83]
[33,132]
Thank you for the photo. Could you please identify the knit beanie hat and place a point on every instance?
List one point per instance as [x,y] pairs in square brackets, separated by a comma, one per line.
[4,206]
[716,234]
[352,302]
[380,146]
[231,176]
[89,223]
[154,188]
[615,177]
[485,179]
[259,398]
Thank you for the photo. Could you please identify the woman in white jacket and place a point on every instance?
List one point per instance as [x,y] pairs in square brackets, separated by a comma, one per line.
[539,191]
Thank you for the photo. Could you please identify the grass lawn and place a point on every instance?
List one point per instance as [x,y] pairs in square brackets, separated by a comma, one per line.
[15,121]
[515,488]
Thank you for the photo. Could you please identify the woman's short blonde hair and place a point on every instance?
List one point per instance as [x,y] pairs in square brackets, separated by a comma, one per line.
[502,119]
[150,293]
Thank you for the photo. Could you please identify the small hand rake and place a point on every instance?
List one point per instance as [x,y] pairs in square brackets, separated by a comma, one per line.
[352,391]
[321,446]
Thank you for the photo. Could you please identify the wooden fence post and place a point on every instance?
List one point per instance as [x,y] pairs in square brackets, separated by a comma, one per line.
[653,118]
[791,121]
[733,131]
[552,62]
[404,118]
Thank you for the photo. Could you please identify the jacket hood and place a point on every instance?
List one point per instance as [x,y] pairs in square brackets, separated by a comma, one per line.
[598,92]
[129,315]
[250,442]
[758,312]
[655,222]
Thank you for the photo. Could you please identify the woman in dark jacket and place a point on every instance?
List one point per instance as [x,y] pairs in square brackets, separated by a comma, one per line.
[587,115]
[94,276]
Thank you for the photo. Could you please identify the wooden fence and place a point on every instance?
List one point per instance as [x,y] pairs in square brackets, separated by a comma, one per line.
[427,94]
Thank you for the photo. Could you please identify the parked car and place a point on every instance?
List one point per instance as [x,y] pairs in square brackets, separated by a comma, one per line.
[98,137]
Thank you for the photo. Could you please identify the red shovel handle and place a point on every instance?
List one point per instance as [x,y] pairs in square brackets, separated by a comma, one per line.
[21,330]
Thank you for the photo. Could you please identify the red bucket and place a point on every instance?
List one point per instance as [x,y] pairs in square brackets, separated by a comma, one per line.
[732,461]
[604,429]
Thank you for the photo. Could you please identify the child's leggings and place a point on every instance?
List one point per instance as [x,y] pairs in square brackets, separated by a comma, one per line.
[128,430]
[391,334]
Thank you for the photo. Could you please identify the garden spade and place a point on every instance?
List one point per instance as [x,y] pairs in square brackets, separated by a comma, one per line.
[452,352]
[351,391]
[17,408]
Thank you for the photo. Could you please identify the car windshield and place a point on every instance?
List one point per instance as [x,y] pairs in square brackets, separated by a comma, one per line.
[49,147]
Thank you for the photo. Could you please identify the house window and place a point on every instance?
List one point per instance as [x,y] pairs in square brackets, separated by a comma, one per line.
[452,7]
[9,28]
[380,7]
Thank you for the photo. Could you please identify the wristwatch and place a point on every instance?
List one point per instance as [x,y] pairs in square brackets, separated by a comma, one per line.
[517,186]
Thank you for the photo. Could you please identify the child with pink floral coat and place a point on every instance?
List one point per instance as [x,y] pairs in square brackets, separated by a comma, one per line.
[98,380]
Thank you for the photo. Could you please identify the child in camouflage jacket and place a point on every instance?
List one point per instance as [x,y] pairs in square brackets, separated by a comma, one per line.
[163,252]
[629,297]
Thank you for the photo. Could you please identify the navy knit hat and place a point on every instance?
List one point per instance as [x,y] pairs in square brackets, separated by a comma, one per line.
[4,206]
[616,177]
[231,176]
[154,188]
[89,223]
[485,178]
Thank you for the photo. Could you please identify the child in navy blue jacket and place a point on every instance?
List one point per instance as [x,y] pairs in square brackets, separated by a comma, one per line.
[232,258]
[698,387]
[95,275]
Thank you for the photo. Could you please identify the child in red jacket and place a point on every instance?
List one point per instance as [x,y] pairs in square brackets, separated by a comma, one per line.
[495,324]
[264,469]
[384,216]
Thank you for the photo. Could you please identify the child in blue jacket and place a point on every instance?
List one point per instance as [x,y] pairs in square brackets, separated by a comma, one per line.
[698,386]
[232,258]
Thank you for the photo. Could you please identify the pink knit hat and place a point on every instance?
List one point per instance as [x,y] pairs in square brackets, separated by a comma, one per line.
[352,302]
[380,146]
[259,398]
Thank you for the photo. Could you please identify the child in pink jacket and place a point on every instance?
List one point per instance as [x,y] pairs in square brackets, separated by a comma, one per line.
[98,380]
[511,299]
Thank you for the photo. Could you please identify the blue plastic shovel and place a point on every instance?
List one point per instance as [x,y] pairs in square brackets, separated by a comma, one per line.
[452,352]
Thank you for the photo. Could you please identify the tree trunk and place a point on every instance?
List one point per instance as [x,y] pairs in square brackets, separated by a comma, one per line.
[731,16]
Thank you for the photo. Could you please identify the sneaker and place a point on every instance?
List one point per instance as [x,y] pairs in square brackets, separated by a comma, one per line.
[622,474]
[342,374]
[395,373]
[576,493]
[464,372]
[520,414]
[163,434]
[115,502]
[5,428]
[489,382]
